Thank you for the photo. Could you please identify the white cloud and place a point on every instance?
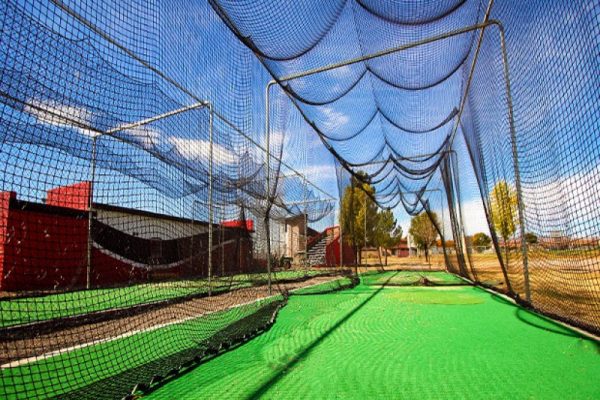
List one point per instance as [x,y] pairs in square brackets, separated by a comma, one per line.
[147,136]
[50,112]
[474,217]
[199,150]
[318,170]
[333,119]
[568,204]
[277,139]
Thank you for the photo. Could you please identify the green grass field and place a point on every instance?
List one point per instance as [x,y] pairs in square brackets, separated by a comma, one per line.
[408,278]
[18,311]
[370,342]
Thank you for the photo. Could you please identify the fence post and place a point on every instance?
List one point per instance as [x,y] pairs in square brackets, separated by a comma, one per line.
[210,195]
[88,275]
[515,157]
[268,183]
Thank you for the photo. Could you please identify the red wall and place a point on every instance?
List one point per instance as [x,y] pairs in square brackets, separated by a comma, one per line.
[332,253]
[43,251]
[247,224]
[44,247]
[4,212]
[75,196]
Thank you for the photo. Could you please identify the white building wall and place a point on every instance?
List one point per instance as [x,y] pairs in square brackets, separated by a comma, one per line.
[148,227]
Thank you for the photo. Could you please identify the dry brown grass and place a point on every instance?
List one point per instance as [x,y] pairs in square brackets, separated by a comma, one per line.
[561,283]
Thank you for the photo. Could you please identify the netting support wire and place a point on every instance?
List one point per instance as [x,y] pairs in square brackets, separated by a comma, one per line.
[111,132]
[364,58]
[382,53]
[156,71]
[481,26]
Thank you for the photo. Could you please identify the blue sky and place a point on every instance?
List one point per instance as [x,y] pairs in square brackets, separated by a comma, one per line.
[83,78]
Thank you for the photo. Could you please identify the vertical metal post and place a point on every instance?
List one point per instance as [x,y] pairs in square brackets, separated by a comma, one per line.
[341,238]
[268,182]
[222,244]
[305,228]
[90,243]
[515,156]
[210,195]
[192,239]
[443,215]
[365,233]
[456,184]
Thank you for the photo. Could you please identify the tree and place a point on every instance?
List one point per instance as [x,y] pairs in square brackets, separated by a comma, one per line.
[387,233]
[359,211]
[481,240]
[531,238]
[423,231]
[504,215]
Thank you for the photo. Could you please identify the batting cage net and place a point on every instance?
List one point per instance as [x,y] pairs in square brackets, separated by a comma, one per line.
[173,171]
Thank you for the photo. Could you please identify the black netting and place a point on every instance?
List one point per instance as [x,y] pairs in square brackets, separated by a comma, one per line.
[167,169]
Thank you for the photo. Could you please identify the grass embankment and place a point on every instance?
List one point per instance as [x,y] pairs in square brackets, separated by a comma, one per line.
[16,311]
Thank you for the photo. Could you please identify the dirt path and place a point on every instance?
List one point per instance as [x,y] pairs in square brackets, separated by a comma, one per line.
[23,349]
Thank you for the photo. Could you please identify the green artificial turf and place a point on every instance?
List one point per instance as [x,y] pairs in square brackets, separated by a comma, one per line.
[383,342]
[78,368]
[408,278]
[25,310]
[326,286]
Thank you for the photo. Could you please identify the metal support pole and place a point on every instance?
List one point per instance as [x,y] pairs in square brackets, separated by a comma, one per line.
[515,156]
[90,243]
[222,244]
[268,183]
[305,229]
[210,195]
[446,35]
[341,239]
[456,186]
[192,239]
[365,231]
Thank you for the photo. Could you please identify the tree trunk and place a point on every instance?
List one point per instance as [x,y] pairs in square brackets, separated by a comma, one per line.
[379,254]
[384,249]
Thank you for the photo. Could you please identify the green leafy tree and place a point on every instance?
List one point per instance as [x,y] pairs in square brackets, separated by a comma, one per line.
[387,232]
[423,231]
[531,238]
[504,212]
[359,215]
[480,241]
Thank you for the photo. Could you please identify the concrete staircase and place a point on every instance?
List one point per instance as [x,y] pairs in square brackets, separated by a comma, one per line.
[316,252]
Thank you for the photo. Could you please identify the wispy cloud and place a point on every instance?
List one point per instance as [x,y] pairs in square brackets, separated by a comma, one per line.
[53,113]
[147,136]
[333,119]
[199,150]
[318,171]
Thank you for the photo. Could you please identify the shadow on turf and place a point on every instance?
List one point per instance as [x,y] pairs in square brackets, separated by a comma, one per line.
[531,318]
[308,349]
